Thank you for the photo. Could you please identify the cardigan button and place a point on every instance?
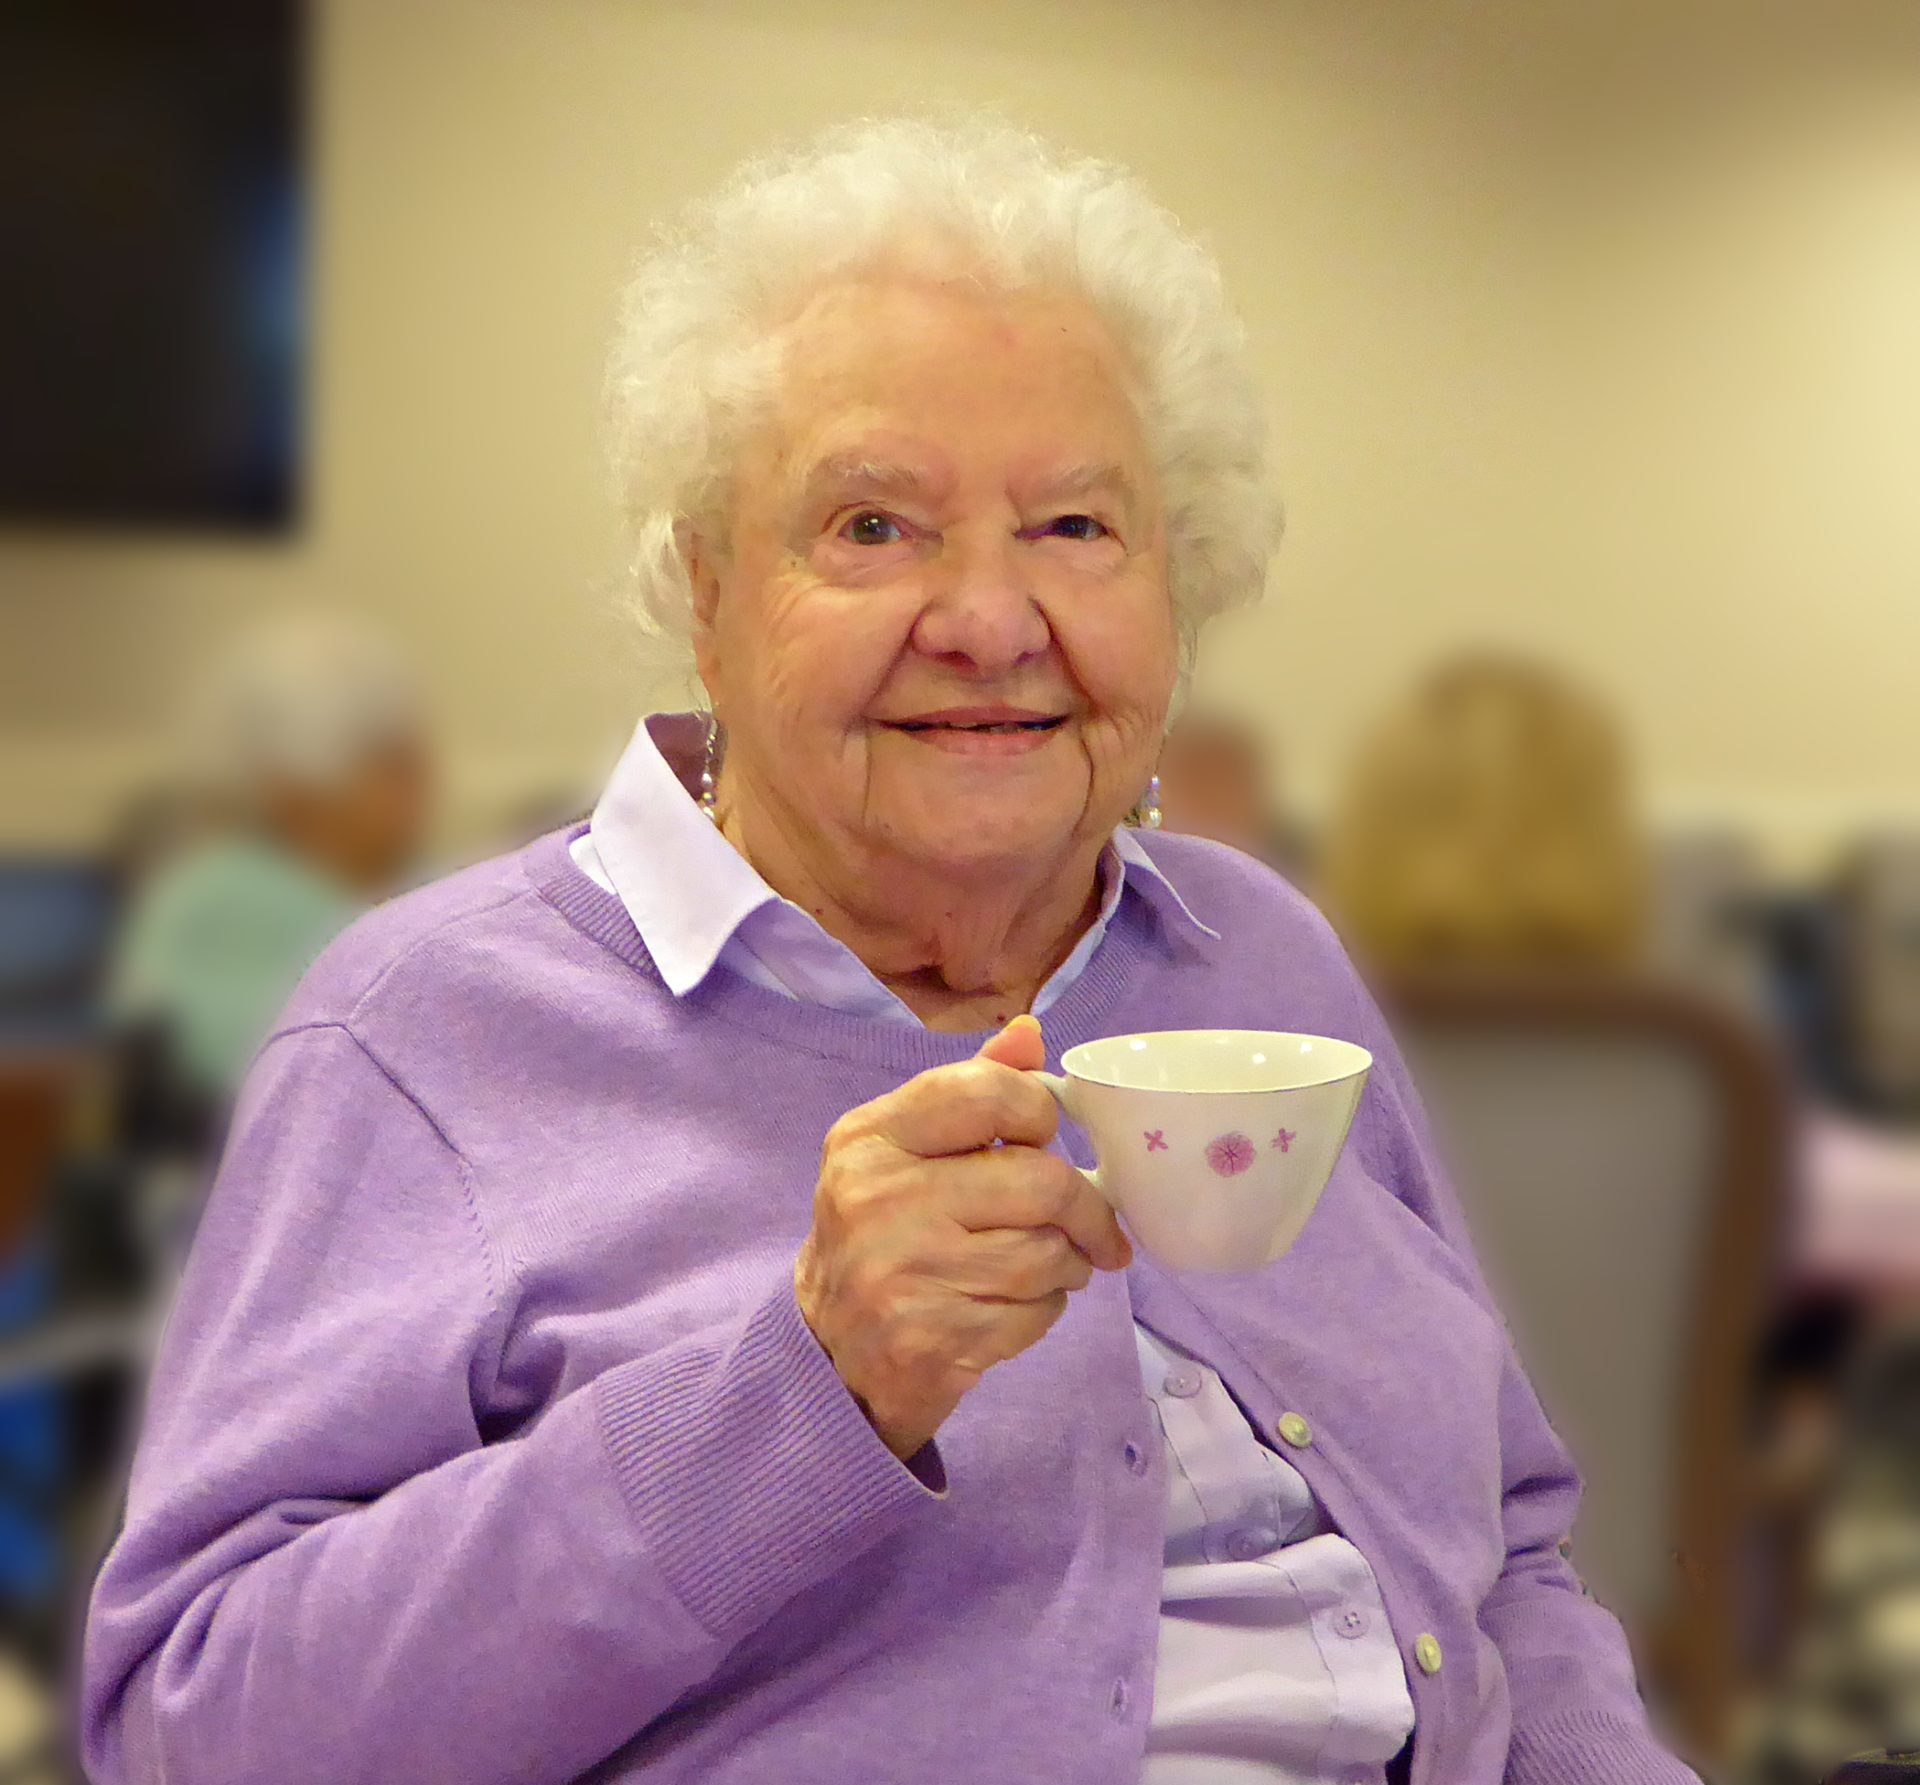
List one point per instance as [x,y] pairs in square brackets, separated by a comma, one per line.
[1426,1651]
[1251,1542]
[1295,1430]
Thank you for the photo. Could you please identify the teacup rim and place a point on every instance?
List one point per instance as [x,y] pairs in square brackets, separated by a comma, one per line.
[1362,1062]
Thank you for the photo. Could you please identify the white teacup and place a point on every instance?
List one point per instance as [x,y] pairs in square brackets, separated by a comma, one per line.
[1213,1144]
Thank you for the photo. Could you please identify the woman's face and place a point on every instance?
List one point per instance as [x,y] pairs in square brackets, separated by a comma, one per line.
[940,627]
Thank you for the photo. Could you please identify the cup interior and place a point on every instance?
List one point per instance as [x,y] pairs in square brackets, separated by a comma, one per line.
[1215,1060]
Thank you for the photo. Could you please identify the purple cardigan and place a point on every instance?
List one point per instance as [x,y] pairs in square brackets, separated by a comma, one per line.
[487,1444]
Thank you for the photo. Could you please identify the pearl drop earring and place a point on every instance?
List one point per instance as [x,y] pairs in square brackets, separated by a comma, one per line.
[707,763]
[1146,815]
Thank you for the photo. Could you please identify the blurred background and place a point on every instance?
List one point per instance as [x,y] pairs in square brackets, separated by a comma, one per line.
[1587,698]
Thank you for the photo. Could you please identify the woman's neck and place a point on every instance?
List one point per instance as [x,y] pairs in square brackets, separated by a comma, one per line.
[963,950]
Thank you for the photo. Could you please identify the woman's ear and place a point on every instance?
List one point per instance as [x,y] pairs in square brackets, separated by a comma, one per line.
[702,561]
[703,567]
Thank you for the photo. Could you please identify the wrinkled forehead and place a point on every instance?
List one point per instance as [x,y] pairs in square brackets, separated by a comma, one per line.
[936,383]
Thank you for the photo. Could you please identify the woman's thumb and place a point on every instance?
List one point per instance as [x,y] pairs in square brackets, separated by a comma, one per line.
[1018,1045]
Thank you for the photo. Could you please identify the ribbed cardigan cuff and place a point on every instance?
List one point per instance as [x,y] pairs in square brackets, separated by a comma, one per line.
[749,1468]
[1594,1747]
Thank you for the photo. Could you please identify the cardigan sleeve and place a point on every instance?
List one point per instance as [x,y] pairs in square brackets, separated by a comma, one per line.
[1577,1715]
[337,1567]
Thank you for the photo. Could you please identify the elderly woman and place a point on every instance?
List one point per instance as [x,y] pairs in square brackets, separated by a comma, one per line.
[307,752]
[648,1326]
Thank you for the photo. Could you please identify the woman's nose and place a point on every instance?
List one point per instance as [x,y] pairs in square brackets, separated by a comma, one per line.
[981,615]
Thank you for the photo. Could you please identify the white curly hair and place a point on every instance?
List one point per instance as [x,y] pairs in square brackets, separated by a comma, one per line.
[698,343]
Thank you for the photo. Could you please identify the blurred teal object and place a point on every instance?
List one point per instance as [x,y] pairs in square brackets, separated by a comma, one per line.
[215,944]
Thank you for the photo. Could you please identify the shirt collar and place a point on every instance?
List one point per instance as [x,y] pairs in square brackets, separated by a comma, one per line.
[1145,875]
[689,891]
[685,886]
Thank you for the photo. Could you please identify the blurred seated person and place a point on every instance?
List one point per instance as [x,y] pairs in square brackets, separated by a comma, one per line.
[308,775]
[1214,783]
[1488,823]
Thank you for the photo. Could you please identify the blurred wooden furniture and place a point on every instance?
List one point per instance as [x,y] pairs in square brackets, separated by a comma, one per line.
[38,1086]
[1623,1152]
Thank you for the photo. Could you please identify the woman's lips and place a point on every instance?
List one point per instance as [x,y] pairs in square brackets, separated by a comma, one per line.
[980,737]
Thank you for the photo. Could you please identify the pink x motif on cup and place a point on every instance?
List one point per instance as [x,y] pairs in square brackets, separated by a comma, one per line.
[1156,1140]
[1284,1140]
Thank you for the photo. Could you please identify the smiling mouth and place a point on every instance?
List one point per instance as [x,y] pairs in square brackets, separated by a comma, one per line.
[986,728]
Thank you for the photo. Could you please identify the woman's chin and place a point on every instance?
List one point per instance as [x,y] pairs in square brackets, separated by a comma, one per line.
[965,837]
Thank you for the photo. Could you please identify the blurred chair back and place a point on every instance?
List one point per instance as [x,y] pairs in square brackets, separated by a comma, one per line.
[1621,1150]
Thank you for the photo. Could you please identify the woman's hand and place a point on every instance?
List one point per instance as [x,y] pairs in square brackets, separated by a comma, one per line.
[935,1253]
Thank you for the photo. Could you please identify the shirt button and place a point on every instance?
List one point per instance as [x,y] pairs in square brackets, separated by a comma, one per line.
[1183,1385]
[1135,1457]
[1426,1651]
[1352,1623]
[1250,1541]
[1118,1699]
[1295,1430]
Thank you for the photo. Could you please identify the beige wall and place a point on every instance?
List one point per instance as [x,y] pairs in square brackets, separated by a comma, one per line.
[1596,336]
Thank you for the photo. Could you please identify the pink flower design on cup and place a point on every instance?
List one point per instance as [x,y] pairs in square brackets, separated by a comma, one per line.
[1230,1154]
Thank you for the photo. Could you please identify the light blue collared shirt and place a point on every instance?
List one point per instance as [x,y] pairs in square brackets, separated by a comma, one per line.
[1276,1664]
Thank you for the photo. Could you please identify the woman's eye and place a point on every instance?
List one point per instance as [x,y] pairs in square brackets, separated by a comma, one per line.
[871,527]
[1077,526]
